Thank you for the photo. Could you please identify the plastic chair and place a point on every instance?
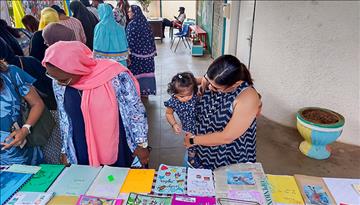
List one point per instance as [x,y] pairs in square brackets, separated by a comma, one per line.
[181,36]
[177,25]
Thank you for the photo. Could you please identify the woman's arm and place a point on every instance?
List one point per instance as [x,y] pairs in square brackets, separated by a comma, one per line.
[243,115]
[36,109]
[172,121]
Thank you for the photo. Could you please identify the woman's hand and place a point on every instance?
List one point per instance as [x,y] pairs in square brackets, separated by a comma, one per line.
[128,61]
[203,86]
[18,135]
[187,137]
[143,154]
[176,128]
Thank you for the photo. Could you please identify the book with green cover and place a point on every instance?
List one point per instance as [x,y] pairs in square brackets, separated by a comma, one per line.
[42,180]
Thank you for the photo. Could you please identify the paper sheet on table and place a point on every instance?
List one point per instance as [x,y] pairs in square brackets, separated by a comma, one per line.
[284,189]
[343,190]
[25,169]
[139,181]
[200,182]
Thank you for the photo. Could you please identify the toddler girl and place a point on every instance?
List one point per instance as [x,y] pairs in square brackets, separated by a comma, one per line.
[183,89]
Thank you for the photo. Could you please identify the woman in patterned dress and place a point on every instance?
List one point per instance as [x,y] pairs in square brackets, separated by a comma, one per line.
[226,116]
[142,51]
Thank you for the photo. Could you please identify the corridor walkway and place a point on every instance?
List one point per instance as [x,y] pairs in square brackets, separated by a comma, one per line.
[277,146]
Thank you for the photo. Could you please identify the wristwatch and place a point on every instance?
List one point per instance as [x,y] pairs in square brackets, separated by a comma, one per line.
[28,127]
[191,140]
[143,145]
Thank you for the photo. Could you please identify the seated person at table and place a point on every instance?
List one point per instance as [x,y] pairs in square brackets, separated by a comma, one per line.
[177,22]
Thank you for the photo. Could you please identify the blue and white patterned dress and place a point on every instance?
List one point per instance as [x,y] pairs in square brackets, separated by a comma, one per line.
[186,113]
[214,111]
[15,81]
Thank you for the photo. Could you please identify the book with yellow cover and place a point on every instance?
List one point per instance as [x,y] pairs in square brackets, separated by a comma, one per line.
[138,181]
[284,189]
[63,200]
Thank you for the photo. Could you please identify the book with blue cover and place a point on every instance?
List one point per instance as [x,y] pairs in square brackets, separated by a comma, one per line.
[75,180]
[10,183]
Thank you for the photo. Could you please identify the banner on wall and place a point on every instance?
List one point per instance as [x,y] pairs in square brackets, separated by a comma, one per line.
[34,7]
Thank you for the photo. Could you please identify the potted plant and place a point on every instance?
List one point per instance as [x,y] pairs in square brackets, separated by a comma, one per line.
[145,5]
[319,127]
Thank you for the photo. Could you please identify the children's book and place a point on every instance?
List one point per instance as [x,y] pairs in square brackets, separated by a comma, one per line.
[25,169]
[343,190]
[140,199]
[170,180]
[284,190]
[244,181]
[139,181]
[43,179]
[314,190]
[63,200]
[93,200]
[200,182]
[108,183]
[30,198]
[192,200]
[10,183]
[75,180]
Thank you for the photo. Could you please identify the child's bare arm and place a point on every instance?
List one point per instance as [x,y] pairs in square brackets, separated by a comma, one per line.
[171,119]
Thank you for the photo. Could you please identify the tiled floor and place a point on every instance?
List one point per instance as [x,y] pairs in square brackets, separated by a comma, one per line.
[277,146]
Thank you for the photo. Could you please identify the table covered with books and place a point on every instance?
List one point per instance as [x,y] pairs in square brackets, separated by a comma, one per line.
[234,184]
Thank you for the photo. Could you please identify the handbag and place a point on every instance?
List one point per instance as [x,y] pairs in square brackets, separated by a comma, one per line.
[42,130]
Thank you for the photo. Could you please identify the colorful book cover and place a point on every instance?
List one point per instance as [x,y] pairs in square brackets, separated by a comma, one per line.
[139,181]
[43,179]
[30,198]
[140,199]
[192,200]
[75,180]
[243,181]
[11,182]
[343,190]
[200,182]
[63,200]
[314,190]
[93,200]
[170,180]
[108,183]
[25,169]
[284,189]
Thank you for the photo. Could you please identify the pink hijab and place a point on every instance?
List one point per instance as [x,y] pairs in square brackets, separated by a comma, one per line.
[98,103]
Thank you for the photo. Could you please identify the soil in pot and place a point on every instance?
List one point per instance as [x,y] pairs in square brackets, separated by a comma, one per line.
[319,116]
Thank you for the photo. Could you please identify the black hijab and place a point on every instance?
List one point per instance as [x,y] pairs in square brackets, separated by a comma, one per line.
[87,19]
[10,34]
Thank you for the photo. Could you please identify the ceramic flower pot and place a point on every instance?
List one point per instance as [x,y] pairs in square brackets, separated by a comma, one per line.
[319,127]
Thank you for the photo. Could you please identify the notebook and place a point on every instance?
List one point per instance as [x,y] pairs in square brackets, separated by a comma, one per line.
[192,200]
[108,183]
[200,182]
[43,179]
[63,200]
[343,190]
[30,198]
[86,200]
[140,199]
[243,181]
[139,181]
[25,169]
[75,180]
[314,190]
[10,183]
[284,190]
[170,180]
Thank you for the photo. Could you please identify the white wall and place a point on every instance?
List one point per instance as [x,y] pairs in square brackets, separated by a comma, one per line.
[306,53]
[170,8]
[231,33]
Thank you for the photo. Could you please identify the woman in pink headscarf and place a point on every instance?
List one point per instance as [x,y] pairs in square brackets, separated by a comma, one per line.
[111,128]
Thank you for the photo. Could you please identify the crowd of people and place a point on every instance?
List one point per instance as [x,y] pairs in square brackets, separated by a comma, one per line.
[92,71]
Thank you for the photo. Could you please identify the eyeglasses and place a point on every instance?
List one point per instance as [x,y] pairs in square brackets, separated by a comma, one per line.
[57,81]
[212,85]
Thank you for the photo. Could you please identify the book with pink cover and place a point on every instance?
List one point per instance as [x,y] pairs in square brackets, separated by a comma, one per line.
[85,200]
[192,200]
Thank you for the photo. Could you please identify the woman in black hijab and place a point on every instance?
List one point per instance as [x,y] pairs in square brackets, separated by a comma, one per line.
[10,34]
[87,19]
